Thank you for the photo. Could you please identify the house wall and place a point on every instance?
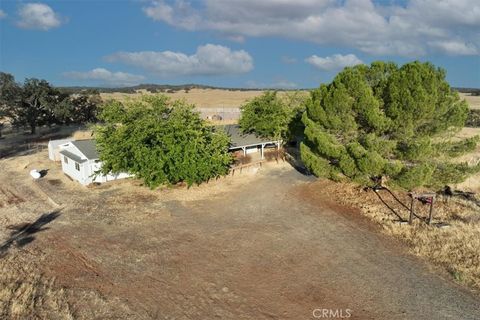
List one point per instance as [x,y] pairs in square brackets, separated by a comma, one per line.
[69,169]
[96,165]
[87,171]
[54,147]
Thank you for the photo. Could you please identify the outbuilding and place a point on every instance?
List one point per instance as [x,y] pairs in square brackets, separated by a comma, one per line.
[80,161]
[248,142]
[54,148]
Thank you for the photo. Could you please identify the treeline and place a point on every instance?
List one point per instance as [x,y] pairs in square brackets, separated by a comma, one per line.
[158,88]
[152,88]
[472,91]
[35,103]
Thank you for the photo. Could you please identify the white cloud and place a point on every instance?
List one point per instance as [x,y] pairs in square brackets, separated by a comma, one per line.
[410,28]
[106,77]
[454,47]
[207,60]
[2,14]
[38,16]
[334,62]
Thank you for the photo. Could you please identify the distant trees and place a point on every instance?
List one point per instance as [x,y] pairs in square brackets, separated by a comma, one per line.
[385,120]
[9,95]
[161,142]
[271,116]
[78,108]
[36,103]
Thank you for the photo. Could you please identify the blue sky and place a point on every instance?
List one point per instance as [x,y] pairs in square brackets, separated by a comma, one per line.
[233,43]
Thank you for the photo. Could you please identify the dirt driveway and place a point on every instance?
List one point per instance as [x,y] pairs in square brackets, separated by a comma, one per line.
[269,246]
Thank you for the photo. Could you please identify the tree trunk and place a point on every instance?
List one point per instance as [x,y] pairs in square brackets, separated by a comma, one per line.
[33,128]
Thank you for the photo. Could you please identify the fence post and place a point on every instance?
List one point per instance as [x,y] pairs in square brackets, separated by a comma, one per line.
[430,215]
[410,219]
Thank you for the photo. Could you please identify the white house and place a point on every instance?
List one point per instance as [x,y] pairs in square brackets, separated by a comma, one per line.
[80,161]
[54,148]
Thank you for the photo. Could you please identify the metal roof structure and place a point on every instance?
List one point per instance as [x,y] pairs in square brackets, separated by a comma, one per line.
[88,148]
[242,140]
[72,156]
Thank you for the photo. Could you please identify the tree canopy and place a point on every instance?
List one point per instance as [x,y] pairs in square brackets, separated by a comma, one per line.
[35,103]
[161,142]
[385,120]
[271,116]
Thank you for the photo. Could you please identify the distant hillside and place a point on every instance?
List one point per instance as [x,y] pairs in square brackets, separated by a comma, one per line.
[473,91]
[166,88]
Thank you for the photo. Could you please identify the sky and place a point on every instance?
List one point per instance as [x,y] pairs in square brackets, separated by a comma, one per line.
[233,43]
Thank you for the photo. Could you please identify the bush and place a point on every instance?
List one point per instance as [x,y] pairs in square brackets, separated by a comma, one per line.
[473,119]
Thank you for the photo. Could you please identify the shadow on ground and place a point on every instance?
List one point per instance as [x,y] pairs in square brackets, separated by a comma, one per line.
[24,233]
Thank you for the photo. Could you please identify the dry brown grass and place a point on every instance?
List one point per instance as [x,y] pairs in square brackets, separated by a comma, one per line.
[27,294]
[455,248]
[82,135]
[473,101]
[202,98]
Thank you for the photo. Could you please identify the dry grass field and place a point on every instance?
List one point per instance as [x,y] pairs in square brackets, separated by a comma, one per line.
[473,101]
[213,98]
[202,98]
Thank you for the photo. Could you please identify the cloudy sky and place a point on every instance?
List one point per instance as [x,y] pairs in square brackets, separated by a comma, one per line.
[233,43]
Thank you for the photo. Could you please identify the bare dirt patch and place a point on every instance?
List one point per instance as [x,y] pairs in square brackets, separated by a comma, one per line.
[264,245]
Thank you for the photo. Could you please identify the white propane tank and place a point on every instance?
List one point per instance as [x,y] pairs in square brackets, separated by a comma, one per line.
[35,174]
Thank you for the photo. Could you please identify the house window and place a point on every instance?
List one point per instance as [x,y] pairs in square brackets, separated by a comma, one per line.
[65,159]
[77,166]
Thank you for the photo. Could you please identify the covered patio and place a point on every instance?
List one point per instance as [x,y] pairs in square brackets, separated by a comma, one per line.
[248,143]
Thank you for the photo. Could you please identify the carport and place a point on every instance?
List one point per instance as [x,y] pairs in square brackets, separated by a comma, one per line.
[248,142]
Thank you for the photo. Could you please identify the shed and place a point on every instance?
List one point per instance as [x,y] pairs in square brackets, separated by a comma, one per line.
[80,161]
[54,147]
[247,142]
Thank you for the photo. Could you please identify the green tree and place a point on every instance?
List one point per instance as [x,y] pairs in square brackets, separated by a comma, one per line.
[9,94]
[385,120]
[35,104]
[270,116]
[161,142]
[78,108]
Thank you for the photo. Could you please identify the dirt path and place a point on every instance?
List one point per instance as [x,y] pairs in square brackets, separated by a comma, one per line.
[273,248]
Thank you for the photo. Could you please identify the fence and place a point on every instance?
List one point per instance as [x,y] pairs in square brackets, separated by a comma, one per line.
[220,113]
[22,148]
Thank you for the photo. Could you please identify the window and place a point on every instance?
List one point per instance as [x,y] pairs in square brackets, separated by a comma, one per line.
[77,166]
[65,159]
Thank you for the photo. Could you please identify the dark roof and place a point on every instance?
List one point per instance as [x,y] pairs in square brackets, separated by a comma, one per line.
[239,139]
[88,148]
[72,156]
